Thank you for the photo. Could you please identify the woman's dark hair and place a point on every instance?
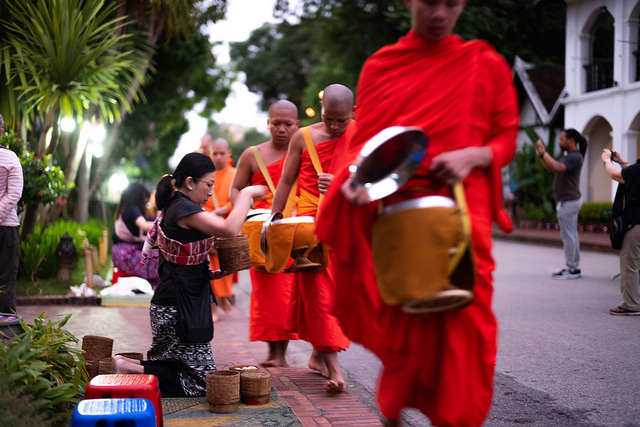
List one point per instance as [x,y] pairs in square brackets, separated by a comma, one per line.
[193,165]
[578,138]
[134,195]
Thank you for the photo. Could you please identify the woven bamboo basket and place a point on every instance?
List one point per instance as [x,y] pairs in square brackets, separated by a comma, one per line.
[255,387]
[104,366]
[92,368]
[135,356]
[233,253]
[223,391]
[96,347]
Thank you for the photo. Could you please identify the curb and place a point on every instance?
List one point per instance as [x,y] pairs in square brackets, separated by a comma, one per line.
[58,300]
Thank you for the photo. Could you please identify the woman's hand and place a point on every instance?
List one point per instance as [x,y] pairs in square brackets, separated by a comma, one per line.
[256,192]
[606,155]
[324,181]
[540,149]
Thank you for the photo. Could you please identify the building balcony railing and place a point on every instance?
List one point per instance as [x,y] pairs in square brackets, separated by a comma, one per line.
[599,74]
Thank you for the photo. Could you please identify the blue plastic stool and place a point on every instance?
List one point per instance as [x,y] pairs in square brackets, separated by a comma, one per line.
[114,412]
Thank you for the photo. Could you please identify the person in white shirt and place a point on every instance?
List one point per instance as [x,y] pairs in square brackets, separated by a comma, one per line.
[11,183]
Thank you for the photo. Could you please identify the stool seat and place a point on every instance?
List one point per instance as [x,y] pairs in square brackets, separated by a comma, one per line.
[113,413]
[141,386]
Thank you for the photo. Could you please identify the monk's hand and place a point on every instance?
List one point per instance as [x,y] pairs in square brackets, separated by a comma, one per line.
[354,193]
[324,181]
[451,167]
[218,274]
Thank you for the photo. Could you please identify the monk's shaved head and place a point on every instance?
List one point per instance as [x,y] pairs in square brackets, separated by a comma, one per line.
[283,104]
[337,95]
[220,142]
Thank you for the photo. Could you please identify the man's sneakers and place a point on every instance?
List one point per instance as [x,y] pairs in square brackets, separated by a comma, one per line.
[619,311]
[567,274]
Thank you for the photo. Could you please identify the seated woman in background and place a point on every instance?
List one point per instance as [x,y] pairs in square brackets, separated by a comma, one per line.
[180,310]
[128,235]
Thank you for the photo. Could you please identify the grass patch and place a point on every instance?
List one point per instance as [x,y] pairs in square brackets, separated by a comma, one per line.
[25,287]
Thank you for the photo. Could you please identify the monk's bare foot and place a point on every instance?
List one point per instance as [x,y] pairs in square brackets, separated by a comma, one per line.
[275,363]
[225,304]
[317,363]
[333,386]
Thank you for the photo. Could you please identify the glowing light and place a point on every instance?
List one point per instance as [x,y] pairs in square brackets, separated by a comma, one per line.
[117,182]
[67,124]
[320,94]
[310,112]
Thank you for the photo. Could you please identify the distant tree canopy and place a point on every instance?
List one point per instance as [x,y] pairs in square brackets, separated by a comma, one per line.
[332,39]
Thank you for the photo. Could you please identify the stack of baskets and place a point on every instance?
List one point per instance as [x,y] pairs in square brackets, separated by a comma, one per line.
[241,383]
[98,355]
[96,348]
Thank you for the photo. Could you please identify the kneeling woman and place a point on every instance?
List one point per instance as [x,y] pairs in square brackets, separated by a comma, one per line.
[180,310]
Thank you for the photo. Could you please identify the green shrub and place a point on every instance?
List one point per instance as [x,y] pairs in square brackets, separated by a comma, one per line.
[40,365]
[38,250]
[595,213]
[44,181]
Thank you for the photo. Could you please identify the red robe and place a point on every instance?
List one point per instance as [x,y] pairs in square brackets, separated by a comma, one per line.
[270,293]
[313,293]
[461,95]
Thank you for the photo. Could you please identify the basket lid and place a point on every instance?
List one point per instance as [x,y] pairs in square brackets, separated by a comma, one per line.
[388,159]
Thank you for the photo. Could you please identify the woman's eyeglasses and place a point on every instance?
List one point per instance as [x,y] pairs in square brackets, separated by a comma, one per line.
[209,184]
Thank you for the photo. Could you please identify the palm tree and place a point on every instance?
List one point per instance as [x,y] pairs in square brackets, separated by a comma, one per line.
[69,58]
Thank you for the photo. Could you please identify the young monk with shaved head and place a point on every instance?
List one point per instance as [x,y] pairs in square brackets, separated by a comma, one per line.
[461,94]
[313,292]
[270,293]
[220,205]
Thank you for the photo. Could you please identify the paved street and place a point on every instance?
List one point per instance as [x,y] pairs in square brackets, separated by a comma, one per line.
[563,360]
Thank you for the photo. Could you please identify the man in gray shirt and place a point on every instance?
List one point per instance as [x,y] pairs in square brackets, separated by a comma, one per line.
[566,191]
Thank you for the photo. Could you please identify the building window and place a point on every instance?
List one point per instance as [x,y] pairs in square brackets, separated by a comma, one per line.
[599,71]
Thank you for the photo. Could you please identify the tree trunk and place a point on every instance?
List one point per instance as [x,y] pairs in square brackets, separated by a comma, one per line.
[81,213]
[29,221]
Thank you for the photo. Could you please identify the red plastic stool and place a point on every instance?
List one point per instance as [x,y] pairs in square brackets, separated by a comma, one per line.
[140,386]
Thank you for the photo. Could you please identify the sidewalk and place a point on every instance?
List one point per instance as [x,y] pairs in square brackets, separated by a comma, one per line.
[297,396]
[590,241]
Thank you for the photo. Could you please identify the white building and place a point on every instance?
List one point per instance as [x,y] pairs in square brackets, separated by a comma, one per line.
[602,88]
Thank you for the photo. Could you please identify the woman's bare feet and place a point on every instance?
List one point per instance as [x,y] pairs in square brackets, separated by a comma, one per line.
[317,363]
[124,365]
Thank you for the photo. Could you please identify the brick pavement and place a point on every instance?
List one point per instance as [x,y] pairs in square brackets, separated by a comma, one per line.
[301,388]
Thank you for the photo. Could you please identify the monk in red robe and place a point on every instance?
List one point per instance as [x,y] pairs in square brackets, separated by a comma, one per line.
[313,292]
[461,95]
[220,204]
[270,293]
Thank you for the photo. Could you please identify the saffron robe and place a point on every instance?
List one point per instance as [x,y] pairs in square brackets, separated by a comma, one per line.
[270,293]
[221,287]
[461,94]
[313,293]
